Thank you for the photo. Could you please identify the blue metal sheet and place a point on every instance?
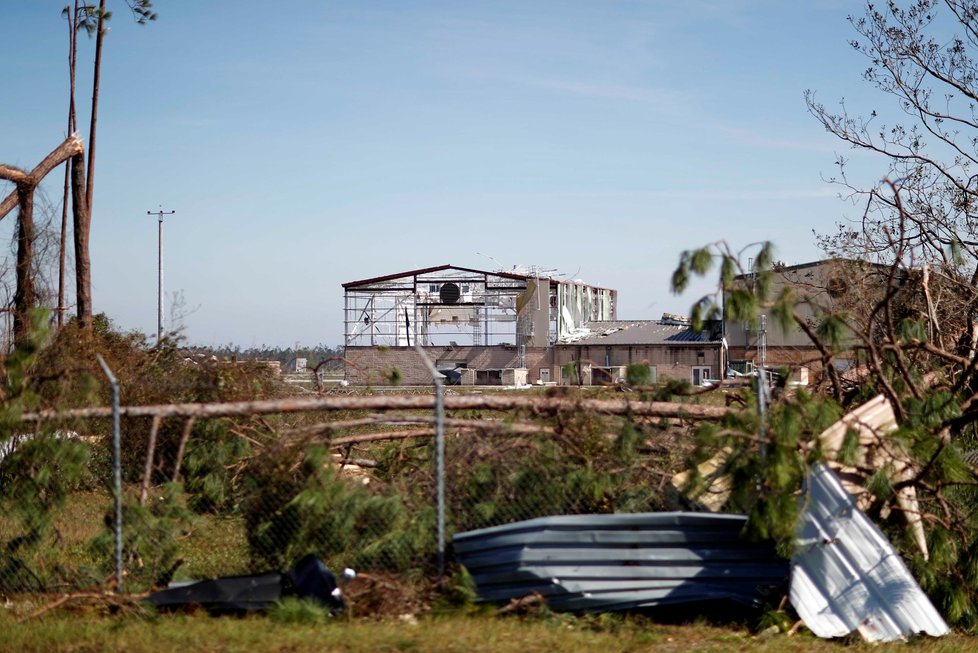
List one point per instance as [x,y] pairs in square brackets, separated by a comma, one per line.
[587,563]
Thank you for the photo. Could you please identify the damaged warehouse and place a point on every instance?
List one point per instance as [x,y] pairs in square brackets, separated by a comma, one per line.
[510,328]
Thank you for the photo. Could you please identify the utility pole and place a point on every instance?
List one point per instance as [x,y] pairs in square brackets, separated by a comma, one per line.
[159,323]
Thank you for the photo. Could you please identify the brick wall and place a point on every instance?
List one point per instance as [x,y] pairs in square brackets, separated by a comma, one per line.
[376,365]
[795,358]
[670,362]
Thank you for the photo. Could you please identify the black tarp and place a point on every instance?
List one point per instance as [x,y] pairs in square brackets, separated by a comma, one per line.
[310,580]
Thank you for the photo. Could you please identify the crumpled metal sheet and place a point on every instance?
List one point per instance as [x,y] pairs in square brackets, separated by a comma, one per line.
[872,422]
[847,577]
[598,563]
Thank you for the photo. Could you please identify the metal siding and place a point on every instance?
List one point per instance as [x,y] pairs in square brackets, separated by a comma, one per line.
[846,575]
[586,563]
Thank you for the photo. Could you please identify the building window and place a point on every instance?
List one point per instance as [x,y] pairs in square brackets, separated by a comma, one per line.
[700,374]
[739,368]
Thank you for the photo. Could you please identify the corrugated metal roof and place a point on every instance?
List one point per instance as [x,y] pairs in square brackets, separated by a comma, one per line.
[640,332]
[846,576]
[586,563]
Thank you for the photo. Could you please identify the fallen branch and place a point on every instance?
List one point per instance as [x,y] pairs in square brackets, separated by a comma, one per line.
[381,437]
[154,429]
[503,428]
[105,598]
[68,148]
[539,405]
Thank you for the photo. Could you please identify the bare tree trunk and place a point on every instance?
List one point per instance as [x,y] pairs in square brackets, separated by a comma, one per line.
[83,218]
[83,287]
[534,404]
[62,246]
[72,58]
[99,35]
[24,296]
[69,147]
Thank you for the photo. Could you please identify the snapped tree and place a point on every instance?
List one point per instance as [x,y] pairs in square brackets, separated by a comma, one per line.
[766,457]
[85,16]
[23,197]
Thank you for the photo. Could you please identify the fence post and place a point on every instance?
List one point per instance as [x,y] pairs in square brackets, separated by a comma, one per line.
[117,470]
[436,378]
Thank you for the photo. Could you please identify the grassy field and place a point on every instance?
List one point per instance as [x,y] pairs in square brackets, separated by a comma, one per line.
[82,631]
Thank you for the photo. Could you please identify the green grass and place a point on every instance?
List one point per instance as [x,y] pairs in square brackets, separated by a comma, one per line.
[216,547]
[181,633]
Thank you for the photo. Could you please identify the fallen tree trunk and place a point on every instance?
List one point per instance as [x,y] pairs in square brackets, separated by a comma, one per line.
[538,405]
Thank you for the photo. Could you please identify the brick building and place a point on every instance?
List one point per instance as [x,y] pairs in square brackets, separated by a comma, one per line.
[509,328]
[818,288]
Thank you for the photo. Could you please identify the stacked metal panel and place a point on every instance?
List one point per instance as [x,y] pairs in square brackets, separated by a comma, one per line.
[589,563]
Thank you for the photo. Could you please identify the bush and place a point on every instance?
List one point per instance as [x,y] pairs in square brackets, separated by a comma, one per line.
[150,538]
[213,458]
[297,503]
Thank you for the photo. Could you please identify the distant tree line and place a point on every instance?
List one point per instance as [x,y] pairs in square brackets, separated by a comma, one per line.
[330,357]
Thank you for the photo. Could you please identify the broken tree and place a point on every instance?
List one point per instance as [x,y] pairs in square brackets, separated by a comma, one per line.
[25,297]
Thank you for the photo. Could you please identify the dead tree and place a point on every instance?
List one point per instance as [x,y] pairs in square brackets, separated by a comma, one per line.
[23,196]
[72,14]
[93,20]
[83,227]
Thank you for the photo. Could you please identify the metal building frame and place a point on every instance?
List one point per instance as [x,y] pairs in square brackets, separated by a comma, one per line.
[433,306]
[452,305]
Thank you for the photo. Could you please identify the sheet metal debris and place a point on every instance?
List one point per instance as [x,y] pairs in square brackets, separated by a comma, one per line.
[235,594]
[590,563]
[845,575]
[872,422]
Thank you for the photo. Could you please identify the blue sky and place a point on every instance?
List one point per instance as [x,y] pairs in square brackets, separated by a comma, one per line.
[307,143]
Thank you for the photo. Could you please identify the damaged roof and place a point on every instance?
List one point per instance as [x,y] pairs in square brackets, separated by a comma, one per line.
[514,274]
[643,332]
[437,268]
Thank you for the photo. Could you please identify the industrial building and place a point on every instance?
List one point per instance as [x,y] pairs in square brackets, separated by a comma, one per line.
[818,288]
[510,327]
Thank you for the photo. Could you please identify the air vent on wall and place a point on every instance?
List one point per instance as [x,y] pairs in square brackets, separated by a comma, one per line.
[449,293]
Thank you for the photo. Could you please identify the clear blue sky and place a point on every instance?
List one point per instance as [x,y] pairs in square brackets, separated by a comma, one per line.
[307,143]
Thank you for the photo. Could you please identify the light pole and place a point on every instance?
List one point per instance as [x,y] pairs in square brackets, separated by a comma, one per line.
[159,323]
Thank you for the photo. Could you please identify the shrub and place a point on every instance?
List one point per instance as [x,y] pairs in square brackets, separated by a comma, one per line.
[297,503]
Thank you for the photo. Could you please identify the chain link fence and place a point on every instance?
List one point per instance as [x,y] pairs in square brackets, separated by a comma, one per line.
[206,496]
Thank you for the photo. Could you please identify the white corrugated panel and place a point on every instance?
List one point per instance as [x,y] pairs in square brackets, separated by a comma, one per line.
[847,577]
